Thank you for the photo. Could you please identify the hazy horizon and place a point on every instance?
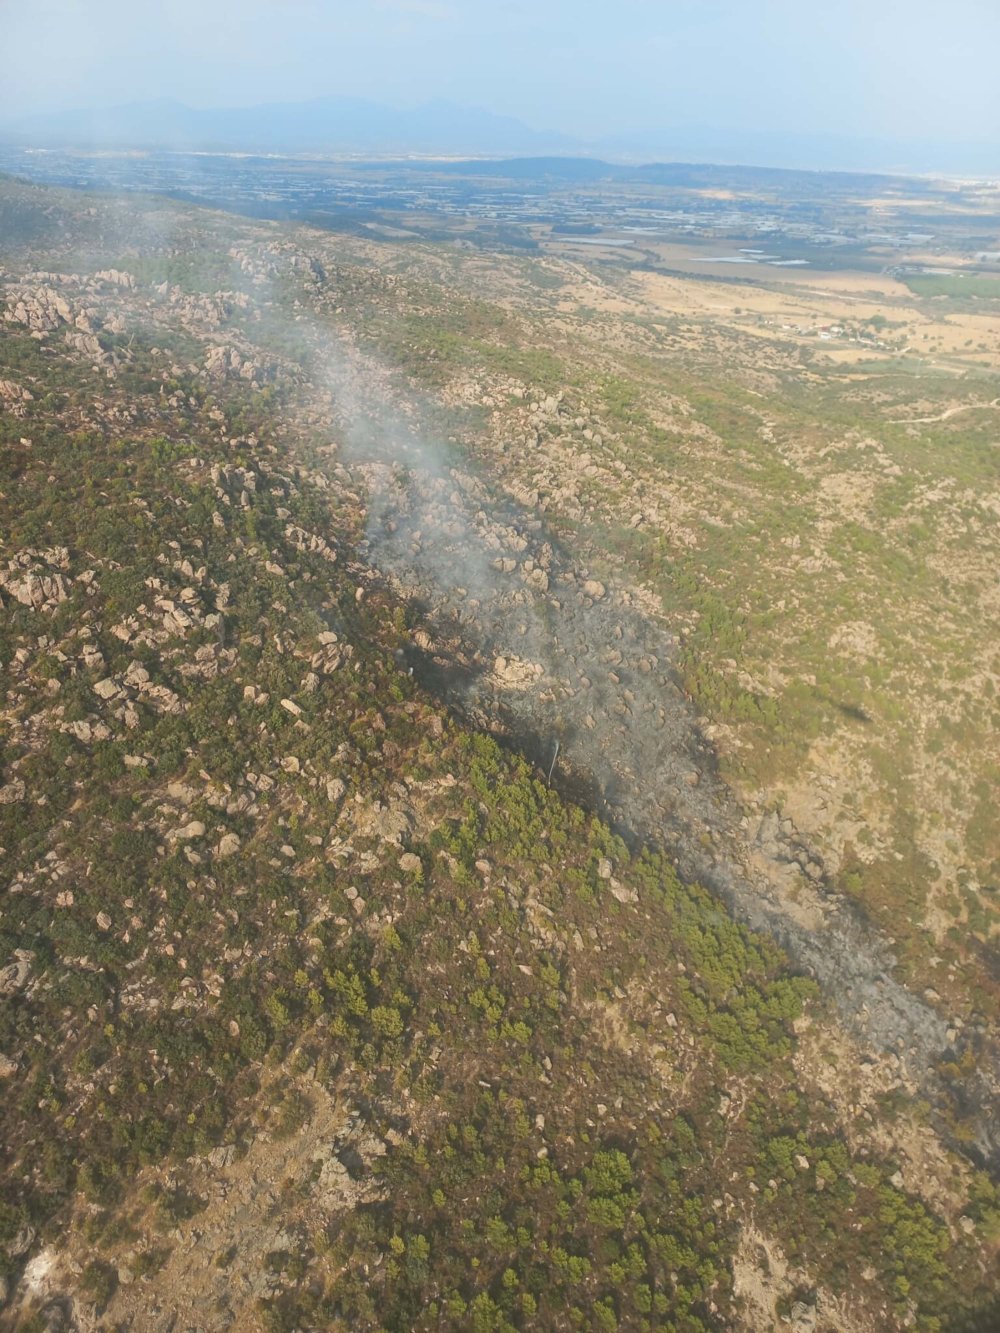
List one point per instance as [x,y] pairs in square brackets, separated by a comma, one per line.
[640,71]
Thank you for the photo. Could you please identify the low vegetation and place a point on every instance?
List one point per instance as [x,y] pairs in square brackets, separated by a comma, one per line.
[305,977]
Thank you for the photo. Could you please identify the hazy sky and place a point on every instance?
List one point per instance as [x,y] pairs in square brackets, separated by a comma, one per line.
[914,69]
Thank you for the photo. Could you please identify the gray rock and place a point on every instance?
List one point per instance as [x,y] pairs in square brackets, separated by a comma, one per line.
[14,976]
[803,1317]
[195,829]
[22,1243]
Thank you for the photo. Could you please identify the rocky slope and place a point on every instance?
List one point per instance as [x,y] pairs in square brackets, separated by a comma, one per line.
[319,1008]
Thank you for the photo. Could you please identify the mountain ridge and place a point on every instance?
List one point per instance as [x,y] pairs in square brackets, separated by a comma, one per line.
[325,123]
[342,124]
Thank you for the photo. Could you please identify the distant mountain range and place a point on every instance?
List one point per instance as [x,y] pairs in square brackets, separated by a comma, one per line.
[350,125]
[324,125]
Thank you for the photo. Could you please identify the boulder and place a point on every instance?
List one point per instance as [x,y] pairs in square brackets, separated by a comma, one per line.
[195,829]
[14,976]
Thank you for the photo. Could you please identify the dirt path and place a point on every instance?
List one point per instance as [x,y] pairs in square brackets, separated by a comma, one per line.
[942,416]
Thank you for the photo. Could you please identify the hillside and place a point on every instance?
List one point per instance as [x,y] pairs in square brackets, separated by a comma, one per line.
[321,1007]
